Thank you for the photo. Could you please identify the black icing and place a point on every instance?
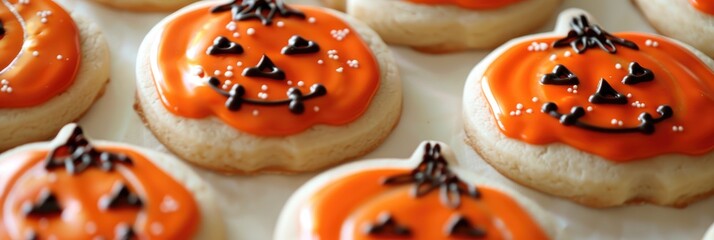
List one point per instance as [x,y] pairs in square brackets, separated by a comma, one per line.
[45,205]
[606,94]
[294,101]
[265,69]
[387,226]
[637,74]
[647,122]
[460,226]
[433,173]
[583,36]
[561,75]
[299,45]
[77,155]
[125,232]
[263,10]
[120,197]
[222,45]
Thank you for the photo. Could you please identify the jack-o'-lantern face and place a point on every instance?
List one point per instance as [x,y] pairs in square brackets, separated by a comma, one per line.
[429,202]
[40,52]
[263,67]
[625,96]
[471,4]
[76,191]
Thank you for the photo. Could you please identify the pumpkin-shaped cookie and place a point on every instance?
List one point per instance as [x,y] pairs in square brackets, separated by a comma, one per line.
[245,86]
[74,188]
[600,118]
[424,197]
[691,21]
[53,66]
[438,26]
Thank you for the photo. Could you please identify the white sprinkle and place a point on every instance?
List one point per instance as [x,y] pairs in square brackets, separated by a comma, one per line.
[157,228]
[228,74]
[530,48]
[229,68]
[534,99]
[43,20]
[239,64]
[543,46]
[35,53]
[620,123]
[680,128]
[655,44]
[301,84]
[513,113]
[196,70]
[316,109]
[4,82]
[217,72]
[575,91]
[613,121]
[340,69]
[567,54]
[59,57]
[90,227]
[529,111]
[575,87]
[648,42]
[589,108]
[290,82]
[311,20]
[280,24]
[320,62]
[629,95]
[168,205]
[353,63]
[262,95]
[255,113]
[264,87]
[231,26]
[674,128]
[618,66]
[519,106]
[553,57]
[236,34]
[570,90]
[250,31]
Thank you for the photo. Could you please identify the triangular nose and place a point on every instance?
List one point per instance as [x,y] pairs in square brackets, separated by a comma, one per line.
[606,94]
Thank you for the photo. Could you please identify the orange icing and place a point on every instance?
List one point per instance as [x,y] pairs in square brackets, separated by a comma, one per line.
[32,80]
[705,6]
[681,81]
[471,4]
[23,176]
[183,46]
[331,214]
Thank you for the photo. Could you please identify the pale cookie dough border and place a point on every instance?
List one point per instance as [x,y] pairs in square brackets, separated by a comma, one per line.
[146,5]
[447,28]
[561,170]
[211,223]
[41,122]
[682,22]
[287,226]
[210,143]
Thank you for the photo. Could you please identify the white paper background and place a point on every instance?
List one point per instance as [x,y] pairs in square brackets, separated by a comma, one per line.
[432,96]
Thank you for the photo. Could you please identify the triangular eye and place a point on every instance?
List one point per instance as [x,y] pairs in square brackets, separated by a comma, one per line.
[560,76]
[459,226]
[387,226]
[223,45]
[605,94]
[120,197]
[46,204]
[637,74]
[266,69]
[299,45]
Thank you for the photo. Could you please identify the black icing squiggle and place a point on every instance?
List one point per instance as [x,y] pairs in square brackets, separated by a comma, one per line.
[77,155]
[584,36]
[263,10]
[647,122]
[294,101]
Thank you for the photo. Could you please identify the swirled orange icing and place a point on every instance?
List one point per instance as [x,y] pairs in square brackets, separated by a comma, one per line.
[344,65]
[705,6]
[40,52]
[471,4]
[681,80]
[329,214]
[169,210]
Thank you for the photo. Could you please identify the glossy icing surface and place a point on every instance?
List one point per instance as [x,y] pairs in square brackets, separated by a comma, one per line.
[40,52]
[428,202]
[166,209]
[471,4]
[331,214]
[681,82]
[344,66]
[705,6]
